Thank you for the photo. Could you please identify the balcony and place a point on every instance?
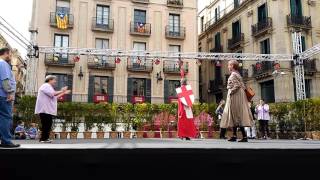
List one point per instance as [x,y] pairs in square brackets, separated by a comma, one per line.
[303,22]
[262,70]
[141,1]
[175,3]
[217,49]
[142,29]
[59,60]
[54,18]
[262,27]
[101,63]
[173,32]
[309,65]
[172,67]
[215,86]
[137,65]
[103,25]
[236,42]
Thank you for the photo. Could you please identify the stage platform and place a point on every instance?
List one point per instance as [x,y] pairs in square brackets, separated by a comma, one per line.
[130,158]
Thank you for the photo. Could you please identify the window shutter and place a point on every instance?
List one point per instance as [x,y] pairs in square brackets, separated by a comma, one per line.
[91,89]
[148,90]
[69,84]
[166,91]
[110,89]
[303,43]
[129,90]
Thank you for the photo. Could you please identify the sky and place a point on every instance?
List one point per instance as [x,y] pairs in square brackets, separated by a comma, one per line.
[18,14]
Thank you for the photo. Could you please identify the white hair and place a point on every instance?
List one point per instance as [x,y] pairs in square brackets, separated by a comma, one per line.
[50,77]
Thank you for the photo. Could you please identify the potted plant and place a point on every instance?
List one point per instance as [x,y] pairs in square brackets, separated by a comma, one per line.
[113,109]
[76,112]
[65,118]
[89,121]
[101,118]
[126,111]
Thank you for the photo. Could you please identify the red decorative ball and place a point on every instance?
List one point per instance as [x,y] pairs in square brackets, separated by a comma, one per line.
[157,61]
[76,59]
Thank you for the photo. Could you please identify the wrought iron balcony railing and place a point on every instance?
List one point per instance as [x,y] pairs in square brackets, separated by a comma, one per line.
[309,65]
[139,65]
[141,1]
[101,62]
[175,3]
[217,49]
[102,24]
[236,42]
[172,67]
[175,32]
[137,28]
[56,20]
[262,69]
[299,21]
[59,60]
[261,27]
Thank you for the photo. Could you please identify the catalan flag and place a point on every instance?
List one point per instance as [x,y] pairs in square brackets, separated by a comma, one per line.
[62,20]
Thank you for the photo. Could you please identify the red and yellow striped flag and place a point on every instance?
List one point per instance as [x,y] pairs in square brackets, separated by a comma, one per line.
[62,21]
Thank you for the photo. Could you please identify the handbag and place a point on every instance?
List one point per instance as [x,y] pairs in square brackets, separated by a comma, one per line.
[249,93]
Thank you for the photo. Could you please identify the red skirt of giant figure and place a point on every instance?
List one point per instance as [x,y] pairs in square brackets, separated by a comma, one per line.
[186,127]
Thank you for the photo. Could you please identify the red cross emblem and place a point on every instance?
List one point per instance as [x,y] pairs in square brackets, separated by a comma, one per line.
[185,95]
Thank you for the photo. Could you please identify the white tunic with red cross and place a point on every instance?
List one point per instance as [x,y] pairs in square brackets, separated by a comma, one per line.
[186,96]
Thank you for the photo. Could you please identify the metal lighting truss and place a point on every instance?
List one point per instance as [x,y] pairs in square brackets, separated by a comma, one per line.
[166,55]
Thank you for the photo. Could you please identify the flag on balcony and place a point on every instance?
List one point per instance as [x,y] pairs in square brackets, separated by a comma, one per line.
[62,20]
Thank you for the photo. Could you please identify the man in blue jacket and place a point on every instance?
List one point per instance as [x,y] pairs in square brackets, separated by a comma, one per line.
[7,92]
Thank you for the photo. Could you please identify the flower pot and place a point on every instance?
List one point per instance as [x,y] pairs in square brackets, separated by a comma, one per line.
[63,135]
[150,134]
[316,135]
[87,135]
[52,135]
[113,135]
[164,134]
[215,134]
[139,134]
[73,135]
[100,135]
[173,134]
[204,134]
[127,134]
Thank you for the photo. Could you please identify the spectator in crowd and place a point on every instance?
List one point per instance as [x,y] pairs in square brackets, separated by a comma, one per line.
[262,111]
[20,131]
[251,131]
[219,112]
[46,105]
[33,131]
[7,95]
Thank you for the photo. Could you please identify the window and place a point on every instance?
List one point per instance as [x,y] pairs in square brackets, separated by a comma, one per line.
[217,13]
[62,81]
[173,84]
[174,49]
[262,13]
[265,46]
[296,8]
[139,86]
[100,85]
[139,16]
[63,7]
[236,30]
[236,3]
[138,46]
[102,44]
[267,91]
[217,40]
[61,41]
[303,43]
[174,24]
[102,15]
[202,23]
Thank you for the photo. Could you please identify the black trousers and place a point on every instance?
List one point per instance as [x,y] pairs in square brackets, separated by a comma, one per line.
[264,127]
[243,132]
[46,124]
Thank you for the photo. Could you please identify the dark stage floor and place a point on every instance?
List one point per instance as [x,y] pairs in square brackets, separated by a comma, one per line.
[160,158]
